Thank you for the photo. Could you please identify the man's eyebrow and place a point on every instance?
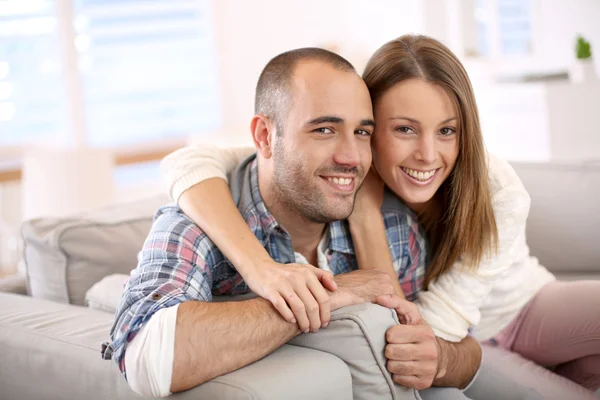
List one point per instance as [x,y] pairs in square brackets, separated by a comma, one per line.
[367,122]
[325,119]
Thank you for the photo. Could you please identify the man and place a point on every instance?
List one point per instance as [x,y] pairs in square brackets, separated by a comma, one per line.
[312,133]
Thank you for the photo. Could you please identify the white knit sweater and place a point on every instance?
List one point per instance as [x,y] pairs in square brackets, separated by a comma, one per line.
[486,299]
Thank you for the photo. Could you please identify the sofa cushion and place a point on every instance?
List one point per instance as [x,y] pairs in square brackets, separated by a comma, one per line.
[65,256]
[106,294]
[564,221]
[52,351]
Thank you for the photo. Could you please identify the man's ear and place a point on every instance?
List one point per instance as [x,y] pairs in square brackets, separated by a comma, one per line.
[263,131]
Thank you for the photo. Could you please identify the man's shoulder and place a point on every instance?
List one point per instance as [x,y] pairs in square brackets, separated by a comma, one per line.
[171,218]
[173,227]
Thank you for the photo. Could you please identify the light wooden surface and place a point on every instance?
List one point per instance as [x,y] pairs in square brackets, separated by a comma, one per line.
[10,170]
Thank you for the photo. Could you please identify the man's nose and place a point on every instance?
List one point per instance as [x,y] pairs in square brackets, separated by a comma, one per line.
[347,152]
[426,150]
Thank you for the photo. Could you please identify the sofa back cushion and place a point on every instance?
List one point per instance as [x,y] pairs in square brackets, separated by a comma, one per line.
[65,256]
[564,221]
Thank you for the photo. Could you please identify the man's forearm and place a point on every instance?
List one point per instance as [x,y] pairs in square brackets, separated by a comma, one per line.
[212,339]
[458,362]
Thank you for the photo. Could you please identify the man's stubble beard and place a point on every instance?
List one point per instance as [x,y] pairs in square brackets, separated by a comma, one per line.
[296,191]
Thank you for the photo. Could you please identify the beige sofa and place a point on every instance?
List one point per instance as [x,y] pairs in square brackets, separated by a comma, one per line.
[50,338]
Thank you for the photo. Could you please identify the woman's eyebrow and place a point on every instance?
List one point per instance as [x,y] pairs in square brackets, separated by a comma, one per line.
[417,121]
[406,118]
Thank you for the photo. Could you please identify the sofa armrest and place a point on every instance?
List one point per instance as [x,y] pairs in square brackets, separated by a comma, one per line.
[356,334]
[16,284]
[290,372]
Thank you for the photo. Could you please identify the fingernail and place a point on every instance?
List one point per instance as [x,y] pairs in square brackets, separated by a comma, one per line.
[293,320]
[325,324]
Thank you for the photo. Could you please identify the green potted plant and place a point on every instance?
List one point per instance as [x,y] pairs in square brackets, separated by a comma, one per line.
[583,49]
[584,69]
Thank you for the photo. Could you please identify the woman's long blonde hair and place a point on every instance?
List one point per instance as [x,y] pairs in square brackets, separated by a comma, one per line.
[459,221]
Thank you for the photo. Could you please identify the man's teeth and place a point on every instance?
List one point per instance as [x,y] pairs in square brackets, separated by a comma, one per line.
[340,181]
[422,176]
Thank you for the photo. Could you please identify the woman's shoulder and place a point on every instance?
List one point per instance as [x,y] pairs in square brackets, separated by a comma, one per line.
[509,195]
[502,175]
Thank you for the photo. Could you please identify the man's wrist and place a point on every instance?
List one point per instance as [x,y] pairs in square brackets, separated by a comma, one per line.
[458,363]
[342,297]
[442,367]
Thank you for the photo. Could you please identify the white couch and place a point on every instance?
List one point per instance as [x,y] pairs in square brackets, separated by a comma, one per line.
[50,339]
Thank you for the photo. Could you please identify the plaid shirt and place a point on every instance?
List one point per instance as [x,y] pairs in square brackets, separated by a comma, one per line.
[179,262]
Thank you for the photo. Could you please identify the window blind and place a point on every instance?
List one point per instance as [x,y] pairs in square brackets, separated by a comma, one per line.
[32,94]
[148,69]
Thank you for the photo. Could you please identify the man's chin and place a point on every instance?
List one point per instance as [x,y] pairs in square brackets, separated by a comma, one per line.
[337,214]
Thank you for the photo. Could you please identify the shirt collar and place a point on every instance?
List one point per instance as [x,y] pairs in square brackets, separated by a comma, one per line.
[340,237]
[266,220]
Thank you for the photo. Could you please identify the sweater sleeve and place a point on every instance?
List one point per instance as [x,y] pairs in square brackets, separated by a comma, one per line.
[451,305]
[190,165]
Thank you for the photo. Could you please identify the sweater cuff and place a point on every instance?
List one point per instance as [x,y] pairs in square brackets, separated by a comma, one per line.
[194,177]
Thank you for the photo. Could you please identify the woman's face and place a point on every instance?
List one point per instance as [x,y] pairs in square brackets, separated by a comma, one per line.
[415,144]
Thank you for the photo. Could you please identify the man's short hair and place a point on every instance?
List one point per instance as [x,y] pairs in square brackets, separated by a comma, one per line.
[273,88]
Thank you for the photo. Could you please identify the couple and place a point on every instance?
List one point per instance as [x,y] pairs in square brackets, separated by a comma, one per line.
[447,233]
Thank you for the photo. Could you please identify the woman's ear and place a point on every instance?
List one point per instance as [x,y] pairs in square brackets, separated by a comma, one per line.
[262,134]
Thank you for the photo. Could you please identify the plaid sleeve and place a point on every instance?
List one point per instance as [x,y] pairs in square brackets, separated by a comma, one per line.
[172,268]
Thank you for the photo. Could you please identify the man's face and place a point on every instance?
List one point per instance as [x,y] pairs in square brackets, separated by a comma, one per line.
[324,151]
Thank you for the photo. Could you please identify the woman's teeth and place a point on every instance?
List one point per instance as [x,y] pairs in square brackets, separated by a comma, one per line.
[340,181]
[418,175]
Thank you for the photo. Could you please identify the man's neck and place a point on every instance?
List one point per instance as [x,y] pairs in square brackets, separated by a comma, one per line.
[305,234]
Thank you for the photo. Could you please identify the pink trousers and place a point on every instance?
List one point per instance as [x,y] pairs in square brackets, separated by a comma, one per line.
[558,329]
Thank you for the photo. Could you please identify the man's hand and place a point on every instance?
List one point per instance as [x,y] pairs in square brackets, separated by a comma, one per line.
[297,291]
[361,286]
[412,350]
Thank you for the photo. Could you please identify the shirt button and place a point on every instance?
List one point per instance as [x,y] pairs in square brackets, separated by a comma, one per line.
[156,296]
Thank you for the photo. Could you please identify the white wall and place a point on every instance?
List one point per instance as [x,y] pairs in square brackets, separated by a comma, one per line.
[249,33]
[556,26]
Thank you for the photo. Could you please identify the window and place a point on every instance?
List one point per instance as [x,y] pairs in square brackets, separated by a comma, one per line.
[503,27]
[147,68]
[32,95]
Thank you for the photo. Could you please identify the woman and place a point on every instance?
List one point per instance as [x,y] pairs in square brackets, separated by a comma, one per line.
[428,149]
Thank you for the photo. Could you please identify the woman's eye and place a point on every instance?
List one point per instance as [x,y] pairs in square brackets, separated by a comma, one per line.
[325,131]
[404,129]
[447,131]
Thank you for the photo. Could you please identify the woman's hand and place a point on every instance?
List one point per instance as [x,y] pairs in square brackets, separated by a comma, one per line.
[297,291]
[369,198]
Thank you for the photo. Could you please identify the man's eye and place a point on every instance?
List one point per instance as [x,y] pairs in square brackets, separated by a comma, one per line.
[363,132]
[325,131]
[404,129]
[447,131]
